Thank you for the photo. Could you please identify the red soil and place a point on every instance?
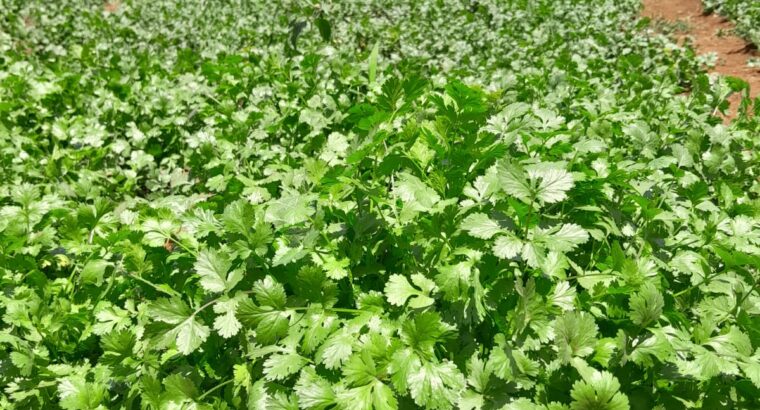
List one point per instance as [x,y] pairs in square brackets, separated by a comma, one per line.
[710,33]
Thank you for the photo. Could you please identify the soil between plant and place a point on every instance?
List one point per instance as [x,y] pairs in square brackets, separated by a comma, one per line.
[710,33]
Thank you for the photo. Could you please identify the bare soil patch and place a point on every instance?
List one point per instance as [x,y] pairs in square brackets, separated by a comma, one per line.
[111,6]
[710,33]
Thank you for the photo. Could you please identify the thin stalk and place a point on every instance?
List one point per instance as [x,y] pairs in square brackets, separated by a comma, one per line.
[213,389]
[744,297]
[338,310]
[530,215]
[181,245]
[153,285]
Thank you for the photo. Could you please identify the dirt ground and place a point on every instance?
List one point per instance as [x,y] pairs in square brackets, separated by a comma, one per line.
[710,33]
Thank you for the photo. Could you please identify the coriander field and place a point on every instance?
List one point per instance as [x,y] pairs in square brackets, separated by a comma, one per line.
[373,204]
[746,14]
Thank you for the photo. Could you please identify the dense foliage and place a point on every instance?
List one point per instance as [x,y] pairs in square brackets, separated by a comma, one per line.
[525,204]
[745,13]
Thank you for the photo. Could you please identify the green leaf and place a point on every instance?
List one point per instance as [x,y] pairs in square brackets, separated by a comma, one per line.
[334,268]
[455,280]
[552,183]
[286,255]
[553,264]
[563,239]
[478,373]
[398,290]
[400,367]
[372,63]
[471,400]
[604,350]
[110,319]
[514,181]
[151,390]
[480,226]
[375,396]
[269,292]
[414,193]
[313,391]
[751,368]
[24,362]
[383,397]
[646,305]
[563,296]
[422,331]
[93,271]
[575,335]
[544,182]
[360,369]
[359,398]
[157,231]
[290,209]
[599,391]
[325,30]
[362,372]
[270,319]
[190,335]
[689,263]
[436,385]
[498,361]
[707,364]
[238,217]
[507,247]
[76,394]
[258,397]
[281,365]
[336,349]
[172,311]
[226,323]
[179,388]
[241,376]
[213,267]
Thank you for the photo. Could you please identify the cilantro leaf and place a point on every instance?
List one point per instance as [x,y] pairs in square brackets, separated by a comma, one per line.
[269,317]
[599,391]
[414,193]
[435,385]
[551,184]
[398,290]
[289,210]
[172,311]
[226,323]
[213,267]
[480,226]
[544,182]
[646,305]
[190,335]
[75,393]
[575,335]
[507,247]
[281,365]
[313,391]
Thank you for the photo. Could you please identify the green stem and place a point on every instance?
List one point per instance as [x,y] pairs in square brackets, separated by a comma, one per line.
[205,305]
[213,389]
[690,288]
[75,271]
[589,275]
[744,297]
[530,215]
[339,310]
[181,245]
[153,285]
[212,301]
